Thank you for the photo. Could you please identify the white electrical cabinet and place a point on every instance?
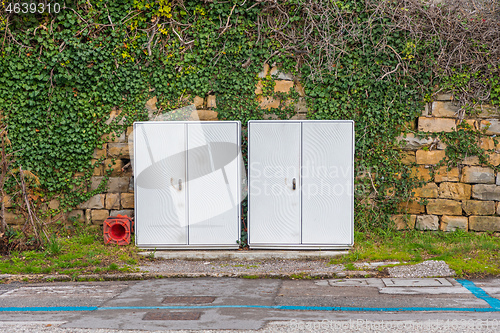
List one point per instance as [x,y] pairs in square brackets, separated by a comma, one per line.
[301,184]
[187,184]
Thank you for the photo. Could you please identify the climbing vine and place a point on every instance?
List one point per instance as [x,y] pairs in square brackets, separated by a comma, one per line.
[62,74]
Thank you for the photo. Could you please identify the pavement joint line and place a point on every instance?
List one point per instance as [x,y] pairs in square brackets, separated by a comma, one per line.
[270,307]
[480,293]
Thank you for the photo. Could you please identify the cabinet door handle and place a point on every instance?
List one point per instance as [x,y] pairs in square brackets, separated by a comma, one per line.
[293,184]
[180,184]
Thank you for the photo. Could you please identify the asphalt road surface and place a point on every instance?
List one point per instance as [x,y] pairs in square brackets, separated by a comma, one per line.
[249,305]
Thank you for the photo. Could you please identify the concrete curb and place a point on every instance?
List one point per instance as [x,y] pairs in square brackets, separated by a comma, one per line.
[243,255]
[34,278]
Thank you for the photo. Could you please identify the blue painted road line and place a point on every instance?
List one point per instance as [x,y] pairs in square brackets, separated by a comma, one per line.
[270,307]
[480,293]
[475,290]
[47,308]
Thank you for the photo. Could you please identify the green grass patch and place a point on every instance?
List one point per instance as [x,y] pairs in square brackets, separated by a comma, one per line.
[81,252]
[249,276]
[469,254]
[301,276]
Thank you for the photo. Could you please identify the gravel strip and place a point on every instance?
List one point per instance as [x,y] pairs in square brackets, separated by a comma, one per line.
[174,268]
[429,268]
[289,268]
[239,268]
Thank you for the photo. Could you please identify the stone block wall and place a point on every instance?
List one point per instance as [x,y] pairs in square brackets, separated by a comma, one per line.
[466,196]
[119,195]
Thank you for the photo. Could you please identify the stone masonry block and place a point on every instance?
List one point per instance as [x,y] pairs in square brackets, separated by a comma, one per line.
[452,223]
[408,157]
[99,215]
[118,184]
[471,160]
[283,86]
[98,168]
[7,200]
[427,222]
[130,135]
[275,72]
[484,223]
[198,102]
[411,124]
[498,179]
[127,200]
[487,143]
[265,69]
[118,150]
[299,88]
[429,190]
[95,202]
[427,110]
[404,221]
[77,214]
[11,218]
[412,207]
[486,192]
[478,207]
[456,191]
[95,182]
[486,111]
[443,97]
[54,204]
[444,109]
[421,173]
[429,157]
[301,106]
[98,153]
[444,175]
[477,174]
[473,123]
[211,101]
[441,145]
[492,126]
[207,115]
[258,88]
[411,142]
[268,102]
[116,167]
[494,159]
[112,201]
[444,207]
[127,212]
[151,104]
[436,124]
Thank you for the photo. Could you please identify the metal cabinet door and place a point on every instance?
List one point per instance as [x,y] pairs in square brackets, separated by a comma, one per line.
[160,177]
[327,182]
[213,183]
[274,168]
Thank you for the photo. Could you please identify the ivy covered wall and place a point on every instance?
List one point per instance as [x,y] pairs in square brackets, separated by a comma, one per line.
[72,79]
